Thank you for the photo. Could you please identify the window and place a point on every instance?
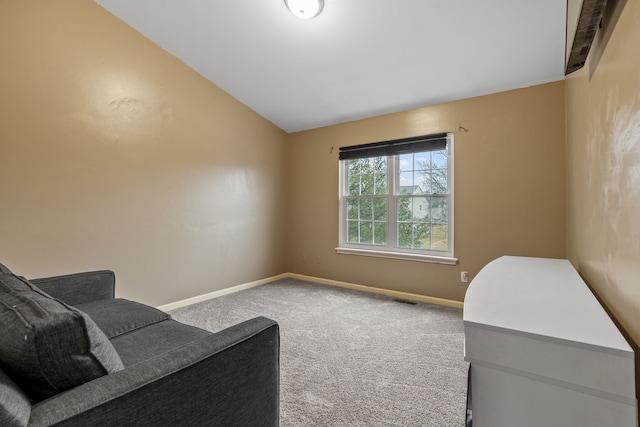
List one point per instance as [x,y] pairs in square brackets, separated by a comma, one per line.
[396,199]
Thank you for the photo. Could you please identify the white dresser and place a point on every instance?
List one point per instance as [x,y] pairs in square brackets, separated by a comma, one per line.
[543,351]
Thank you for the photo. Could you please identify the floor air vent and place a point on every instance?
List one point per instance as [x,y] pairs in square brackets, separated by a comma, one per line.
[405,301]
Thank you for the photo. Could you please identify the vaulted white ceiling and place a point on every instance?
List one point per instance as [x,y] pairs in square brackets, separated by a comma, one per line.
[358,58]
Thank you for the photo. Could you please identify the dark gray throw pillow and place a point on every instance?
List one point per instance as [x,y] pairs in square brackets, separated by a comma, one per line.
[47,346]
[4,270]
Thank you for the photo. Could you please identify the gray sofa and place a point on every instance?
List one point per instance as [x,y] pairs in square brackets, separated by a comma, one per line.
[71,354]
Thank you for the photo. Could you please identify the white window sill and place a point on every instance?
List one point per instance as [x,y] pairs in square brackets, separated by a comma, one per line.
[399,255]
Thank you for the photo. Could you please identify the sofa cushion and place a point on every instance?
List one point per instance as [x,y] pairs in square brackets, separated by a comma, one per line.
[119,316]
[15,407]
[155,340]
[46,346]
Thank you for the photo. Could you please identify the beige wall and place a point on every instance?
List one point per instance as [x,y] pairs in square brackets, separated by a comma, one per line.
[603,172]
[115,155]
[509,189]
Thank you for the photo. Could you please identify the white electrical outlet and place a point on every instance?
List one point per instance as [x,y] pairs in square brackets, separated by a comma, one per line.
[464,276]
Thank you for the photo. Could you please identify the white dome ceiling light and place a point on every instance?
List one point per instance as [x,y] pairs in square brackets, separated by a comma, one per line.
[305,9]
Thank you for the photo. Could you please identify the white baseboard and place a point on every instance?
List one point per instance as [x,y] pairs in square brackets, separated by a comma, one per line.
[221,292]
[388,292]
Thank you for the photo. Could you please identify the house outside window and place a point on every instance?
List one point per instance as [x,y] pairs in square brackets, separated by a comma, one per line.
[396,199]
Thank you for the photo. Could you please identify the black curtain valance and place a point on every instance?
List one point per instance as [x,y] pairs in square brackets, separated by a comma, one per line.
[397,146]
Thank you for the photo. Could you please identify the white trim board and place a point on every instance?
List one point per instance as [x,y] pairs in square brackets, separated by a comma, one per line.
[363,288]
[221,292]
[388,292]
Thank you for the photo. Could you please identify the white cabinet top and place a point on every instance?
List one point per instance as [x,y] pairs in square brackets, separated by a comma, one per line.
[541,297]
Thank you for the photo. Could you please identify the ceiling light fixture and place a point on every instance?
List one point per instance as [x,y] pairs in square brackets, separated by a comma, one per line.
[305,9]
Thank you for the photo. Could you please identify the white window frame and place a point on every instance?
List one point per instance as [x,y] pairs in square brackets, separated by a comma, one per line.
[391,250]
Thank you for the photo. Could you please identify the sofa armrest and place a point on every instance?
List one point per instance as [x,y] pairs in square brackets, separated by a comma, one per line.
[79,288]
[231,378]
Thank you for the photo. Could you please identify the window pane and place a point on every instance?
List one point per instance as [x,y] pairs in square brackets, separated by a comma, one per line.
[406,162]
[439,237]
[355,166]
[421,161]
[439,210]
[366,232]
[352,209]
[404,209]
[366,209]
[366,184]
[352,232]
[367,166]
[420,209]
[379,233]
[406,183]
[380,165]
[421,234]
[405,235]
[354,185]
[423,183]
[414,209]
[439,158]
[439,181]
[380,185]
[379,209]
[367,176]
